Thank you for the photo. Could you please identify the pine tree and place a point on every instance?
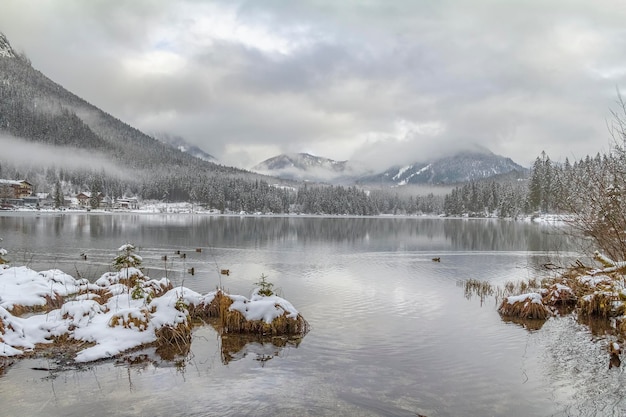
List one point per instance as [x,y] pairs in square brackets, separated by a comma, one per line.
[58,195]
[127,258]
[535,188]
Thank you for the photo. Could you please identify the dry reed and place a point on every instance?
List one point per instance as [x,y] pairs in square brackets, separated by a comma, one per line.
[232,321]
[210,310]
[559,295]
[525,308]
[173,341]
[482,289]
[601,304]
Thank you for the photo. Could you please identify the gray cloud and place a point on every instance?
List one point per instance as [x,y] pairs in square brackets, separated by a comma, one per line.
[33,155]
[377,82]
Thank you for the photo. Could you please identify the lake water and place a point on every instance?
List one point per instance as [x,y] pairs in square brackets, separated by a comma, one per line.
[392,333]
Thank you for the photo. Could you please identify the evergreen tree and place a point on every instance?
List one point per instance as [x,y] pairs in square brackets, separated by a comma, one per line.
[58,195]
[535,188]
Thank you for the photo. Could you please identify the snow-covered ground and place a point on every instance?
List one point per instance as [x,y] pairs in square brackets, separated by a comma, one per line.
[120,311]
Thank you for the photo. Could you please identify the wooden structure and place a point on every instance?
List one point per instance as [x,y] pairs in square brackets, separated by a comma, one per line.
[15,189]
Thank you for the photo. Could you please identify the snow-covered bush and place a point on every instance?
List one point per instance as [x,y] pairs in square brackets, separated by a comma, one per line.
[127,258]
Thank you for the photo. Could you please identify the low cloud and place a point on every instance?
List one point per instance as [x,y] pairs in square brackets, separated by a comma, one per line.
[248,80]
[25,154]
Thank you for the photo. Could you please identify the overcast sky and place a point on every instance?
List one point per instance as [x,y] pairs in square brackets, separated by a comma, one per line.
[378,81]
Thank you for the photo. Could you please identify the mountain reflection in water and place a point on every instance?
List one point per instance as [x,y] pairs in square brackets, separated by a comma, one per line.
[391,331]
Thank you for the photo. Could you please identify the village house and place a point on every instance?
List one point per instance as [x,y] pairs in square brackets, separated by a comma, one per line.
[15,189]
[127,203]
[84,200]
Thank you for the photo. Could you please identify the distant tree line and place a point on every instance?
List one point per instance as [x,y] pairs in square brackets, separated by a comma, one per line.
[35,109]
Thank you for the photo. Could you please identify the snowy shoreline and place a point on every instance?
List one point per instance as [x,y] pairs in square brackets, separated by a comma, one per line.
[552,219]
[121,311]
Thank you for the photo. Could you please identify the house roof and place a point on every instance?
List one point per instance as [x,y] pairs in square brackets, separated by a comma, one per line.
[14,182]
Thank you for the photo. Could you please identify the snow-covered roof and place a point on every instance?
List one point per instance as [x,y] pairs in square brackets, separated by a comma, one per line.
[13,182]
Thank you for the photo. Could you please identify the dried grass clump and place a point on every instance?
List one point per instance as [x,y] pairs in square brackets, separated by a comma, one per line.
[102,295]
[559,295]
[601,304]
[19,310]
[173,341]
[131,280]
[131,319]
[54,301]
[63,347]
[157,288]
[212,309]
[51,302]
[525,306]
[233,321]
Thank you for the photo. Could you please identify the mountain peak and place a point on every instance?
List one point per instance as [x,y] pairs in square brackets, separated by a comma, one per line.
[471,164]
[178,142]
[302,161]
[303,166]
[6,51]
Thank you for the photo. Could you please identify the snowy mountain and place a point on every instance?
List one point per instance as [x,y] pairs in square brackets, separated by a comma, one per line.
[306,167]
[56,136]
[476,164]
[6,50]
[182,145]
[479,163]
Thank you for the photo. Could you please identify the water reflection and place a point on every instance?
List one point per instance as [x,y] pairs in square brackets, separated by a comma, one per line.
[391,332]
[264,348]
[183,230]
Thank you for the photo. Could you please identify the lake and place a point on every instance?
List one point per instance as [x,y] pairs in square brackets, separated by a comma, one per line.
[392,332]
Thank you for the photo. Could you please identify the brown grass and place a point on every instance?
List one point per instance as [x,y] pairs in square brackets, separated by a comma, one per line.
[524,309]
[131,322]
[173,341]
[212,309]
[235,322]
[559,296]
[131,280]
[232,321]
[158,289]
[103,295]
[52,302]
[600,304]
